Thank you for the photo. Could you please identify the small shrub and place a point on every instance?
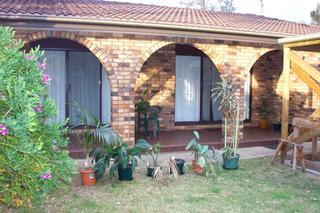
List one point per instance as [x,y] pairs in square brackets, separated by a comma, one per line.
[33,153]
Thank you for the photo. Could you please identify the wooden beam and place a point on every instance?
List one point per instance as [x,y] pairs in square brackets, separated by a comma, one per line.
[303,65]
[307,136]
[306,78]
[285,93]
[302,43]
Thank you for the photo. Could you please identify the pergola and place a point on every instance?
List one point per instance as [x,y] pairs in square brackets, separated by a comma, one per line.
[305,129]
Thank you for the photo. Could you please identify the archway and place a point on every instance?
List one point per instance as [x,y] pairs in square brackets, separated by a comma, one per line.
[178,78]
[76,75]
[265,97]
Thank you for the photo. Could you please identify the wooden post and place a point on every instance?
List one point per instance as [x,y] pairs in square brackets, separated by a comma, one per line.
[294,163]
[285,93]
[285,101]
[314,148]
[300,157]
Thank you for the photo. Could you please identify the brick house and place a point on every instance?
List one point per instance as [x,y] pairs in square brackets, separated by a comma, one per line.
[106,54]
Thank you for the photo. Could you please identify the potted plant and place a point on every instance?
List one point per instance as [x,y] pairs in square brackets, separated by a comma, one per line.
[277,125]
[154,152]
[180,165]
[200,163]
[224,91]
[124,159]
[88,131]
[263,110]
[141,107]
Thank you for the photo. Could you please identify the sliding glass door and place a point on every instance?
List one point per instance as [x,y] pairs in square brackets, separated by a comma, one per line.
[84,84]
[195,78]
[187,107]
[56,69]
[77,76]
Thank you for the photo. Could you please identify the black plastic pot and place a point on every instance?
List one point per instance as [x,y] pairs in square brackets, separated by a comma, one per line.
[276,126]
[150,171]
[231,163]
[125,174]
[180,164]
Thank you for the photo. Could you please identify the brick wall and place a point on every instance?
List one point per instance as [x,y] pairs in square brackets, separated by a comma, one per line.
[123,56]
[267,84]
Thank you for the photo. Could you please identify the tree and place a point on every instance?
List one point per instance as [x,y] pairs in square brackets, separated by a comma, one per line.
[226,6]
[315,15]
[33,153]
[217,5]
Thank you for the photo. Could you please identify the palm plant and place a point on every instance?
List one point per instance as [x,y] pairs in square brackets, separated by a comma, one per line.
[224,91]
[90,130]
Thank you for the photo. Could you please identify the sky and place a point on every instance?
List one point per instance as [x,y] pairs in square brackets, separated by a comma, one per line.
[291,10]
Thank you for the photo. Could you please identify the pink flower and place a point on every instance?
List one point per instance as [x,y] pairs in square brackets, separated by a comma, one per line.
[46,175]
[38,108]
[46,79]
[3,130]
[43,65]
[29,57]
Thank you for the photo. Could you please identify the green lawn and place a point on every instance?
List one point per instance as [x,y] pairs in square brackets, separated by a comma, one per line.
[255,187]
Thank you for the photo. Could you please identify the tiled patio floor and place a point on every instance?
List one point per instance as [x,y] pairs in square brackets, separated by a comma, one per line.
[173,141]
[177,140]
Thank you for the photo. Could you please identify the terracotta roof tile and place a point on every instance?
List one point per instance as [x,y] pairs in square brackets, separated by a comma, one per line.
[152,14]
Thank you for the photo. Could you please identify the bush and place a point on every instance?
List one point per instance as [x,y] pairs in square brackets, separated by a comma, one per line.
[33,154]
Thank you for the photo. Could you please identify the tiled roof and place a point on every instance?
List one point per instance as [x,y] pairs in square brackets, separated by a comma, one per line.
[152,14]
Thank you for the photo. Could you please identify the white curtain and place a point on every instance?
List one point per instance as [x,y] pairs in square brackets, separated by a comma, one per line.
[247,97]
[84,75]
[187,104]
[56,69]
[106,98]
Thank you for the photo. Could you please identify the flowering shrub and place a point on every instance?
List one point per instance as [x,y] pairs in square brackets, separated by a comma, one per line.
[33,153]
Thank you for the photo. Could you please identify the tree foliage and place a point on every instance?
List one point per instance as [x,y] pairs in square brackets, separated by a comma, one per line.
[315,15]
[217,5]
[33,153]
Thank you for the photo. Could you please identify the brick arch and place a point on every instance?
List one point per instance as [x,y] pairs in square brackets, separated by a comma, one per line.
[205,48]
[94,49]
[255,58]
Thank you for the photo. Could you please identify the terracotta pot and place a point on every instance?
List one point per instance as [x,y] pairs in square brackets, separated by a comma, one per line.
[263,124]
[196,168]
[88,177]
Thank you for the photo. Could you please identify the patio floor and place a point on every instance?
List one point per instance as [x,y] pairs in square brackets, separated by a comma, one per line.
[173,141]
[177,140]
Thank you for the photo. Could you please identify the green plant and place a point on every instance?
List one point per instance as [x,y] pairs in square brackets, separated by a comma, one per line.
[154,152]
[34,157]
[264,108]
[224,92]
[201,154]
[143,104]
[90,130]
[122,156]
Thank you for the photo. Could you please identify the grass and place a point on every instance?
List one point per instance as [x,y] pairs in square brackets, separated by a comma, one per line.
[254,187]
